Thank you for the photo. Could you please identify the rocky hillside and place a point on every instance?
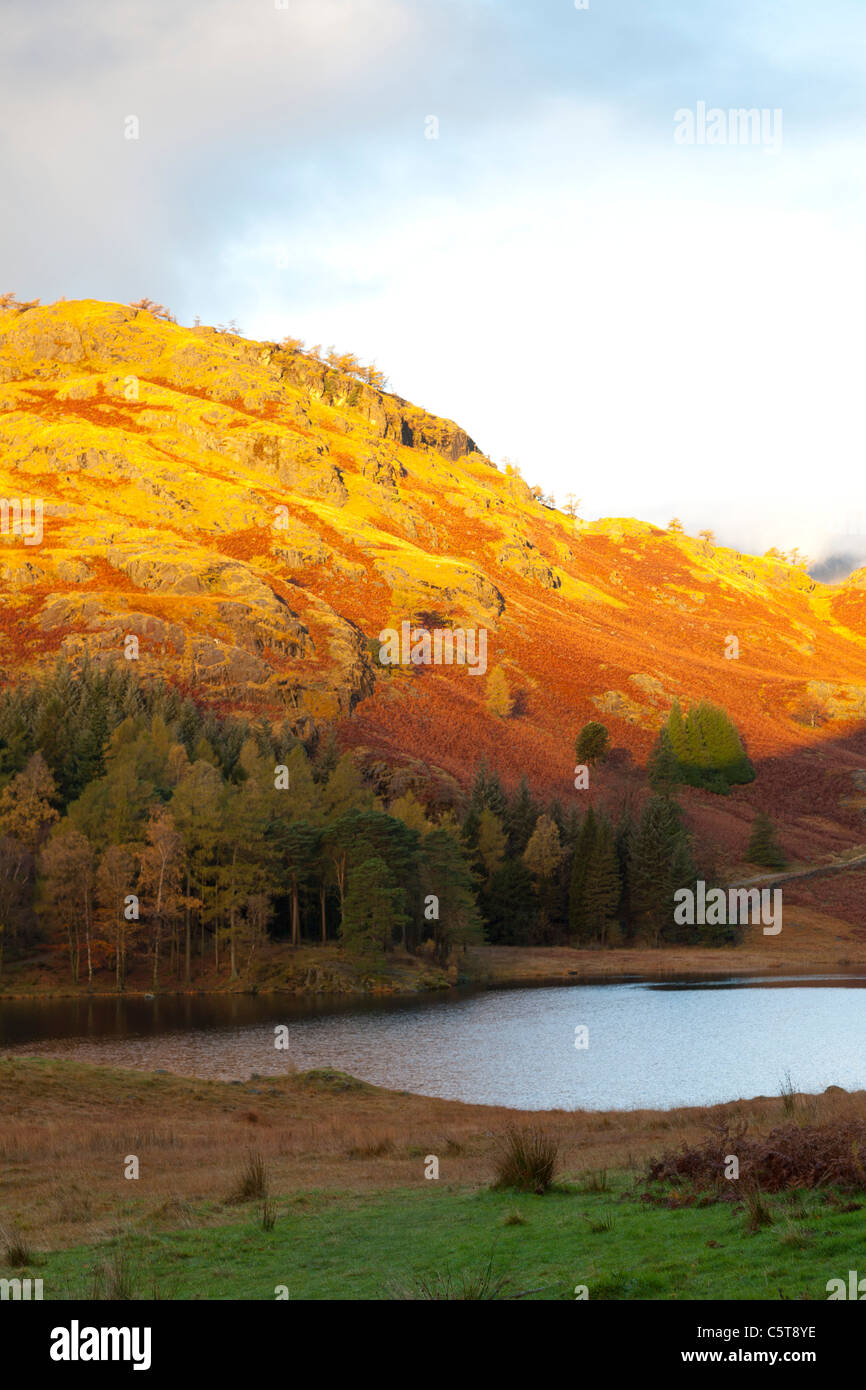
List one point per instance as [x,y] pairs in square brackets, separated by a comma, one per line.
[254,518]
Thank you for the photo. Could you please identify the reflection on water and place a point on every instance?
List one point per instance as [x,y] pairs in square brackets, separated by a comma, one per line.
[650,1044]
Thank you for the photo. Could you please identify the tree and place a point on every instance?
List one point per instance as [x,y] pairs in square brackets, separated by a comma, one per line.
[115,881]
[702,750]
[543,857]
[764,849]
[160,877]
[506,902]
[300,846]
[708,537]
[602,884]
[373,909]
[543,854]
[492,841]
[675,526]
[409,810]
[196,807]
[578,919]
[592,744]
[572,504]
[16,888]
[660,864]
[68,865]
[447,875]
[26,811]
[499,701]
[159,311]
[520,819]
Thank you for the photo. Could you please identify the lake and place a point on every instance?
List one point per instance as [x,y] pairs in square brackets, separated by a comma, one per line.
[650,1044]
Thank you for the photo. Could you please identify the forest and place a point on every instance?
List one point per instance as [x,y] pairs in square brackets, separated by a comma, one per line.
[137,828]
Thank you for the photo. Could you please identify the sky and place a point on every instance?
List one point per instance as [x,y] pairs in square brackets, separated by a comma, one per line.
[497,202]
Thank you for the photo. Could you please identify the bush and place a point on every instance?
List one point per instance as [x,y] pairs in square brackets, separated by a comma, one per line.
[253,1182]
[527,1161]
[790,1156]
[18,1253]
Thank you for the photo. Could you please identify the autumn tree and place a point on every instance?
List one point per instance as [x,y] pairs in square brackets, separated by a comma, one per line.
[572,504]
[499,701]
[26,809]
[16,890]
[492,841]
[116,881]
[68,866]
[160,878]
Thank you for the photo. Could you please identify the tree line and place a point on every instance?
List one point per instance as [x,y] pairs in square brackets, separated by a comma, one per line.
[138,829]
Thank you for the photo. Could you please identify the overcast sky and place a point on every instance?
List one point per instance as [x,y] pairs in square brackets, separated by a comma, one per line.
[655,326]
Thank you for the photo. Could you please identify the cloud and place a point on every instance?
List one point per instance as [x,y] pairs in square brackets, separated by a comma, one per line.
[656,328]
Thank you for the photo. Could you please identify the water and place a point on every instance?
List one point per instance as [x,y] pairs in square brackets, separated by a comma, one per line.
[650,1044]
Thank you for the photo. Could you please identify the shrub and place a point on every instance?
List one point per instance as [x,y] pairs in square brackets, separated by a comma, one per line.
[468,1286]
[253,1182]
[790,1156]
[527,1161]
[18,1253]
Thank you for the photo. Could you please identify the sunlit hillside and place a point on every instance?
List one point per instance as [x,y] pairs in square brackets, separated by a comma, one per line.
[255,518]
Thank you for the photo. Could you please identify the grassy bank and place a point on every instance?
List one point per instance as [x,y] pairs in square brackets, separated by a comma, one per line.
[354,1215]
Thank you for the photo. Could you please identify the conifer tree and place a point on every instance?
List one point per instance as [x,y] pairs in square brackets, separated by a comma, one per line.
[578,920]
[373,908]
[592,744]
[602,884]
[660,864]
[520,819]
[764,848]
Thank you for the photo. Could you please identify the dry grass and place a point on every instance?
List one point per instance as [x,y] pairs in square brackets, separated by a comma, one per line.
[526,1160]
[66,1129]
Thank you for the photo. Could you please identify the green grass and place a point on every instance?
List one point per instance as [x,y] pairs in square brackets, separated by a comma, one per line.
[328,1245]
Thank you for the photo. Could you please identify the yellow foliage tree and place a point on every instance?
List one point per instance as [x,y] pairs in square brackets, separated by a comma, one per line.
[499,699]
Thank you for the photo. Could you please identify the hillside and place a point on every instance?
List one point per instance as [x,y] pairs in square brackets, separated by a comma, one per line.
[255,518]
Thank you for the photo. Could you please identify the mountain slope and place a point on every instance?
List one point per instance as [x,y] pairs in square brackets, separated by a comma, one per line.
[255,518]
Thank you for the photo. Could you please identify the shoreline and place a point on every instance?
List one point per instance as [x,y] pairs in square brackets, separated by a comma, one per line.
[489,968]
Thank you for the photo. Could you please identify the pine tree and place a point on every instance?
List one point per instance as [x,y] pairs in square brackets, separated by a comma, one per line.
[764,849]
[520,819]
[660,864]
[447,875]
[602,885]
[578,920]
[592,744]
[505,904]
[373,909]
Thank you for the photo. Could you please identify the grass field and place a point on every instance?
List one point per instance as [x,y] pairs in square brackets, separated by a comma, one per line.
[344,1211]
[472,1244]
